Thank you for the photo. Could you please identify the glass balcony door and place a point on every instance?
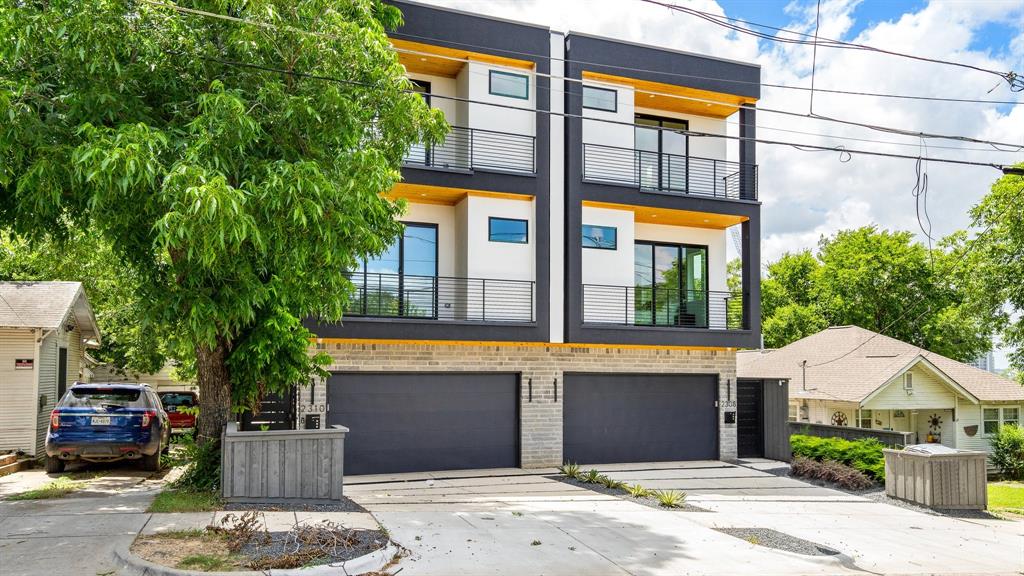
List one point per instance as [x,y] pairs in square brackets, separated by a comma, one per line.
[661,153]
[403,280]
[670,285]
[420,153]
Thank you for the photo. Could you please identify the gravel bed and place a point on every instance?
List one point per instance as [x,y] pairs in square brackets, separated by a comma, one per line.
[648,501]
[283,543]
[345,505]
[779,540]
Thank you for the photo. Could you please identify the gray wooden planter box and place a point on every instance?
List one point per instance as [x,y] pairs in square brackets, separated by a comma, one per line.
[953,481]
[282,465]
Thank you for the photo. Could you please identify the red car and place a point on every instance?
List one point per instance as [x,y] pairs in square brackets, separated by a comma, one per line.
[181,421]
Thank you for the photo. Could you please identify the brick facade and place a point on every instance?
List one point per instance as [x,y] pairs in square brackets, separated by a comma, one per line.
[541,419]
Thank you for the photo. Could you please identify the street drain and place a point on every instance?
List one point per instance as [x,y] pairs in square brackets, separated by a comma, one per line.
[779,540]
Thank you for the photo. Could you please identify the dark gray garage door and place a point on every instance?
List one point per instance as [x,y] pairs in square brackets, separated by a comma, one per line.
[639,418]
[419,422]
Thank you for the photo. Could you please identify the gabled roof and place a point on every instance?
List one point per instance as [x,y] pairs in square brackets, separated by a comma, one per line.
[849,363]
[46,305]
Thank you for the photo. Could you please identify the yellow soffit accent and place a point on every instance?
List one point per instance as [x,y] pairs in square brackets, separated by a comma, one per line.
[501,343]
[442,61]
[670,217]
[424,194]
[672,98]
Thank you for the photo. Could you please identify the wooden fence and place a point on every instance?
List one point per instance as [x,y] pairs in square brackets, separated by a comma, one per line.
[273,466]
[953,481]
[890,438]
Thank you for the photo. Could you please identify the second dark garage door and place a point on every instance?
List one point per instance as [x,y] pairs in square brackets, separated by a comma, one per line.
[425,421]
[639,418]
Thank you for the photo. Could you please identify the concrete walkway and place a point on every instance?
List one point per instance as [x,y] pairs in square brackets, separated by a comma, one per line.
[518,522]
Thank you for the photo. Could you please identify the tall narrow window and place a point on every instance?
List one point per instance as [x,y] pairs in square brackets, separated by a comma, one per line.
[662,151]
[420,154]
[403,280]
[509,84]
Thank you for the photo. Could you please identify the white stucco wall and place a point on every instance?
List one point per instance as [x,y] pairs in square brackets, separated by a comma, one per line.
[610,128]
[609,267]
[442,89]
[499,260]
[499,118]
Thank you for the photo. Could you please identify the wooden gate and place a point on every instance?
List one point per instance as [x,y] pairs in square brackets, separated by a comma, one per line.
[276,412]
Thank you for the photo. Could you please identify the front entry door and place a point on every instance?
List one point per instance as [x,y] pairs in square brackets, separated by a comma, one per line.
[750,421]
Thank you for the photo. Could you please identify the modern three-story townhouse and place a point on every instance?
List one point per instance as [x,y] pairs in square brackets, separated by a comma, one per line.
[561,291]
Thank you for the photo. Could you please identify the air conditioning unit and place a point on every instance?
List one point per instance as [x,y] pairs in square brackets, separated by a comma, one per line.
[908,383]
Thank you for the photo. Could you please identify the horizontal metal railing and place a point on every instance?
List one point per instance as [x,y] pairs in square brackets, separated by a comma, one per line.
[474,148]
[441,298]
[656,306]
[671,173]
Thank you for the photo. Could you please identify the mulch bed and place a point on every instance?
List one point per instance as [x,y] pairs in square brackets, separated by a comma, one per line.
[779,540]
[649,501]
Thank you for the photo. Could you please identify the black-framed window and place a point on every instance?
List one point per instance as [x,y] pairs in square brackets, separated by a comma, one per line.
[605,99]
[670,283]
[600,237]
[509,84]
[511,230]
[402,281]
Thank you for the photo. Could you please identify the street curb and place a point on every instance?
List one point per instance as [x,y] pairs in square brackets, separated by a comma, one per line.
[131,565]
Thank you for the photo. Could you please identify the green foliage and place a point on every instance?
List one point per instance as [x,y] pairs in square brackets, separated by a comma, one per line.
[1006,497]
[864,455]
[886,282]
[232,197]
[590,477]
[611,483]
[670,498]
[1008,452]
[638,491]
[186,501]
[57,488]
[997,257]
[569,470]
[202,461]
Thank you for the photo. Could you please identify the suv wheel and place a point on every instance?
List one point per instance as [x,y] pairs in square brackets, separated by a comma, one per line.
[151,463]
[54,465]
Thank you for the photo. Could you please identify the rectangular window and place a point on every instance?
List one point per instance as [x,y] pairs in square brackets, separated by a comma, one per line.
[600,237]
[508,230]
[600,98]
[990,418]
[794,412]
[1011,416]
[509,84]
[865,419]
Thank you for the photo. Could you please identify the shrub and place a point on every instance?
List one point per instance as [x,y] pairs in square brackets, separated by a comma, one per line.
[569,470]
[611,483]
[1008,452]
[842,475]
[590,477]
[864,455]
[638,491]
[670,498]
[203,466]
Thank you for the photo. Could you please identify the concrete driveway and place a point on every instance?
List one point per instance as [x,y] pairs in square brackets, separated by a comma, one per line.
[75,534]
[527,522]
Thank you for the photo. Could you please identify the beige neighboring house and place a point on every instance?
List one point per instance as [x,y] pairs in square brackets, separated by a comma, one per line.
[163,381]
[45,328]
[849,376]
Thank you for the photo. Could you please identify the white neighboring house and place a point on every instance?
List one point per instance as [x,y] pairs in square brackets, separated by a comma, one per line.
[44,330]
[856,377]
[163,381]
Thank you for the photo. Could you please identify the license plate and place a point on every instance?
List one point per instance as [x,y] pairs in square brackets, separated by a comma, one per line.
[101,420]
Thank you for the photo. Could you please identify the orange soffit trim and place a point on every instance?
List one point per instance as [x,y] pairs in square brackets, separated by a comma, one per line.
[512,344]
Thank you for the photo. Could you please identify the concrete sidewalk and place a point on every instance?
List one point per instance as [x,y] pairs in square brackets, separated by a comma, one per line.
[516,522]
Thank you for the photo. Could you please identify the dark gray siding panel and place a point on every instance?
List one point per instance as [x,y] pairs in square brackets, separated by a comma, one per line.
[402,422]
[776,416]
[639,418]
[750,421]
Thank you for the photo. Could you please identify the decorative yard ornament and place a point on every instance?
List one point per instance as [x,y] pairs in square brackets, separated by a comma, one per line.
[839,419]
[935,423]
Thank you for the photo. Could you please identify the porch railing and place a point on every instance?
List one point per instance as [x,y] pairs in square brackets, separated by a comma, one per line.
[671,173]
[475,148]
[441,298]
[654,306]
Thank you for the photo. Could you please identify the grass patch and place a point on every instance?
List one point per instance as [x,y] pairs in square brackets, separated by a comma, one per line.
[186,501]
[207,562]
[1006,497]
[57,488]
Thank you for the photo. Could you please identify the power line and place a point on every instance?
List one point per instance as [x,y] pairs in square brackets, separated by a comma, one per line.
[547,112]
[1015,81]
[726,80]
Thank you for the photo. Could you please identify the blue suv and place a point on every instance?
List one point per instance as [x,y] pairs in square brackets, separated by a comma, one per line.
[106,423]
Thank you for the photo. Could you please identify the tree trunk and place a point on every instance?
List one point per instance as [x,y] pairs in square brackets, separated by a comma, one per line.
[214,391]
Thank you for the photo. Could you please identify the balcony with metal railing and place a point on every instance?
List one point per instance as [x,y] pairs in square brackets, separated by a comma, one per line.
[669,173]
[467,149]
[653,306]
[441,298]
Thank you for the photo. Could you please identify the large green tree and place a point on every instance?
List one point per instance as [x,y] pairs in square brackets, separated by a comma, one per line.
[883,281]
[235,167]
[998,252]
